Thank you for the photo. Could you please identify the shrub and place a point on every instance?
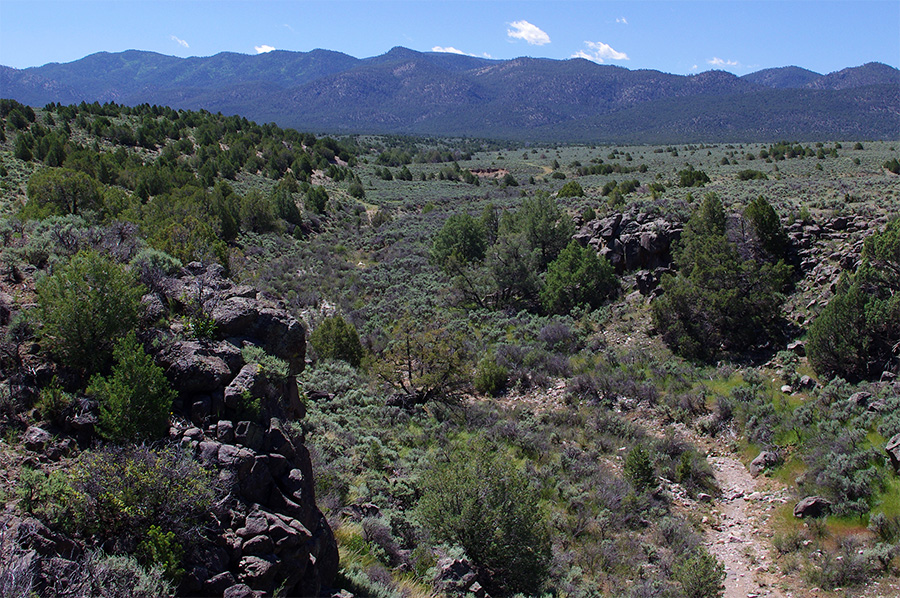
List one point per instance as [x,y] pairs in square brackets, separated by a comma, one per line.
[639,469]
[767,227]
[85,307]
[692,178]
[490,376]
[571,189]
[59,191]
[273,367]
[335,338]
[700,575]
[855,335]
[578,276]
[462,238]
[118,493]
[718,301]
[481,501]
[160,549]
[135,400]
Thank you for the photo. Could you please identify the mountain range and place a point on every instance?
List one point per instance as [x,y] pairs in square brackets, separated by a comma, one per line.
[426,93]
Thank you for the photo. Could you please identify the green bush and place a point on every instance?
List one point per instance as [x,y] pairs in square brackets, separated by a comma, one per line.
[571,189]
[692,178]
[273,367]
[136,399]
[59,191]
[462,238]
[855,335]
[767,227]
[490,377]
[700,575]
[578,276]
[335,338]
[116,494]
[85,307]
[480,500]
[718,301]
[639,469]
[161,549]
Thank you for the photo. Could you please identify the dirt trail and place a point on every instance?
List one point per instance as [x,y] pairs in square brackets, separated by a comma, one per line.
[736,538]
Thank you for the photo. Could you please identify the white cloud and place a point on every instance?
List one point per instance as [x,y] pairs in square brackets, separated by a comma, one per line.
[599,52]
[263,49]
[449,50]
[530,33]
[622,20]
[695,67]
[180,42]
[716,61]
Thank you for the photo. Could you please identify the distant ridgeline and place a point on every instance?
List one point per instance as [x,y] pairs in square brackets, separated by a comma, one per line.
[525,98]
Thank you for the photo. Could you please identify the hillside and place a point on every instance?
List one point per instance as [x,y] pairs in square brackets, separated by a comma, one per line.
[241,360]
[410,92]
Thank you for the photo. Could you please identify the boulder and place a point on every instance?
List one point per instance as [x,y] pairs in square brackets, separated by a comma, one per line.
[258,572]
[36,439]
[249,382]
[762,461]
[194,367]
[812,506]
[860,399]
[893,451]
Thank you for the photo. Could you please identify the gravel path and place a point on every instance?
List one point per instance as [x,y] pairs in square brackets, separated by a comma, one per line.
[735,537]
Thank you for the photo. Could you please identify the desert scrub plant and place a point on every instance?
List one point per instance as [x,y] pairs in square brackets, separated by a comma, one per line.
[335,338]
[272,367]
[53,401]
[85,306]
[115,494]
[700,574]
[639,469]
[136,398]
[490,376]
[856,334]
[161,549]
[479,488]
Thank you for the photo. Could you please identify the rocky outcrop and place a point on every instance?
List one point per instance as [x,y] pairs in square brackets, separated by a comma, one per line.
[631,242]
[271,533]
[210,374]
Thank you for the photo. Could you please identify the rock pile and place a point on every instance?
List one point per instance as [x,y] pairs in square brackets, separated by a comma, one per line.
[271,533]
[631,241]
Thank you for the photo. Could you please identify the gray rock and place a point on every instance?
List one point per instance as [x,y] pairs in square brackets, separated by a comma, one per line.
[195,367]
[248,382]
[860,399]
[255,524]
[258,545]
[258,572]
[239,591]
[36,439]
[812,506]
[797,347]
[217,585]
[225,431]
[893,451]
[762,461]
[249,434]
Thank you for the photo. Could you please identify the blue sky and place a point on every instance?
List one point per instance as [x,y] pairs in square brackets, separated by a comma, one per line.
[669,35]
